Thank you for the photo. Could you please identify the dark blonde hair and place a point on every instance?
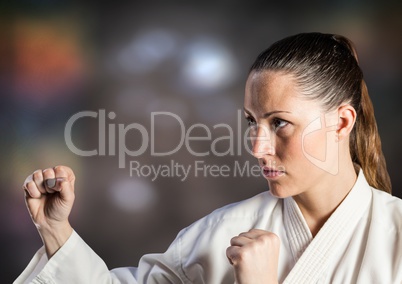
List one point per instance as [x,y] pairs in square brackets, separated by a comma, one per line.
[326,68]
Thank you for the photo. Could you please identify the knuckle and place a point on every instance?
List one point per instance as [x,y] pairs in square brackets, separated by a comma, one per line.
[236,259]
[261,240]
[62,168]
[244,234]
[273,237]
[237,255]
[29,178]
[48,171]
[58,169]
[37,175]
[243,254]
[229,252]
[30,186]
[276,240]
[268,239]
[65,171]
[265,237]
[234,240]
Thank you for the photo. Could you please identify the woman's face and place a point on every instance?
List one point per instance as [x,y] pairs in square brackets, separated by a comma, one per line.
[292,137]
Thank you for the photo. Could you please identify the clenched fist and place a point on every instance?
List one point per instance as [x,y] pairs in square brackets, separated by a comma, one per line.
[49,196]
[254,257]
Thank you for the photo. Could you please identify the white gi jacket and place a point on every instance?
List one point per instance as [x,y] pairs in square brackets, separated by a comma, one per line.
[360,243]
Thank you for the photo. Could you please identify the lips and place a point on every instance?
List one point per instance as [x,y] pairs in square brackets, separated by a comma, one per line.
[272,173]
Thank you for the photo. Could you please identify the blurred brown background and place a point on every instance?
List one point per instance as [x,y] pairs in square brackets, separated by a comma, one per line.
[191,58]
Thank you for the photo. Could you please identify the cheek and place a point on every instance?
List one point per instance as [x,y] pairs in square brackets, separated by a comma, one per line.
[321,150]
[314,145]
[289,150]
[299,149]
[314,150]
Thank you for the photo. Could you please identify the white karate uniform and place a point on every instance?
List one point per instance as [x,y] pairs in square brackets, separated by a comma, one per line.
[360,243]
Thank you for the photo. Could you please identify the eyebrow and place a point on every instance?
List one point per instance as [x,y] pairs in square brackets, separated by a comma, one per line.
[268,114]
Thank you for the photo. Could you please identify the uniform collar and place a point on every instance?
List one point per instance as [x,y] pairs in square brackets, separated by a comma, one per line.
[312,254]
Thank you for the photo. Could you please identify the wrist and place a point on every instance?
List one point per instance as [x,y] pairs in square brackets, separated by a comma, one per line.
[55,237]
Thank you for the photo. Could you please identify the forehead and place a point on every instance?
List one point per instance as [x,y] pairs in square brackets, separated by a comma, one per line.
[273,90]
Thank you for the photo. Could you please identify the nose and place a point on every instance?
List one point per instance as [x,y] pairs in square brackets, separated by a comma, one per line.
[262,143]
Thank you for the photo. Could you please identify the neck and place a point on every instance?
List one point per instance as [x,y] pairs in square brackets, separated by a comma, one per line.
[320,202]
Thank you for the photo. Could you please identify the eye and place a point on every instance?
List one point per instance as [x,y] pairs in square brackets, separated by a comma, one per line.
[250,121]
[278,123]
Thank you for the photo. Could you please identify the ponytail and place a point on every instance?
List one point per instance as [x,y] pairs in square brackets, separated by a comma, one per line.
[365,145]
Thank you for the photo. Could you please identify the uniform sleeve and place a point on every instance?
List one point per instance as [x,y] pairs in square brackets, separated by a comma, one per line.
[197,255]
[76,262]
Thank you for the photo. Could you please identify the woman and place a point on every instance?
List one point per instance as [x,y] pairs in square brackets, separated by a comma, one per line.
[314,134]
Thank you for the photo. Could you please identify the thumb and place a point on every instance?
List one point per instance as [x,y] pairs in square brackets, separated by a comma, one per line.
[55,183]
[61,185]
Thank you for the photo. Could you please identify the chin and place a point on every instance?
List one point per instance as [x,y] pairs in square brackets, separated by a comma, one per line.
[278,190]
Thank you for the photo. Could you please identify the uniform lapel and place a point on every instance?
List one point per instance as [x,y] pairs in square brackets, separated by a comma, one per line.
[297,231]
[313,255]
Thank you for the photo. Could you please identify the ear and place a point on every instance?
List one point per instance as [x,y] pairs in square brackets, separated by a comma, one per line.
[347,118]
